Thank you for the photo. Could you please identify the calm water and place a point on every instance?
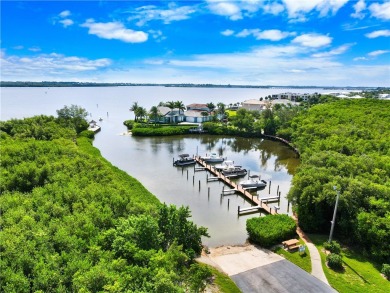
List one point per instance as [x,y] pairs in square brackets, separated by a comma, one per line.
[150,159]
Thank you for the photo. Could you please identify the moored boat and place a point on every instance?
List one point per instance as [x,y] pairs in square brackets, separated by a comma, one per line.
[254,181]
[213,158]
[234,171]
[225,164]
[184,160]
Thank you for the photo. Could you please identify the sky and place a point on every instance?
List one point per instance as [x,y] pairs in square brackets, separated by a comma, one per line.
[247,42]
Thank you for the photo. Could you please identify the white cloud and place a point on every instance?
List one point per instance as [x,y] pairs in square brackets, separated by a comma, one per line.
[64,14]
[157,35]
[20,47]
[336,51]
[66,22]
[376,34]
[34,49]
[272,35]
[148,13]
[359,7]
[228,9]
[273,8]
[48,65]
[381,11]
[313,40]
[297,8]
[377,53]
[359,58]
[227,32]
[114,30]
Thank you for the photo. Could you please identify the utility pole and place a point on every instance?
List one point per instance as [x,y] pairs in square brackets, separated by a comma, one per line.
[334,213]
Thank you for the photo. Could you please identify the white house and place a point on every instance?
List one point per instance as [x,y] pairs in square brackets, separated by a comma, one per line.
[254,105]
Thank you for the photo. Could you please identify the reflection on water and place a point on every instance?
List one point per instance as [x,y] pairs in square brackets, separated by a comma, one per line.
[149,159]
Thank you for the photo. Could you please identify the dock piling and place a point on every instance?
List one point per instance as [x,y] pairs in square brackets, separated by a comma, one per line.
[228,202]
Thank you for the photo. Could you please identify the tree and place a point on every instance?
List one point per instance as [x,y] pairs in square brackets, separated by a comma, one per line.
[74,115]
[154,114]
[134,108]
[171,105]
[221,108]
[141,112]
[211,106]
[179,105]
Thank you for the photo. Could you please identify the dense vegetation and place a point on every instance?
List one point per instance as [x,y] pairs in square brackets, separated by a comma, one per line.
[72,222]
[271,230]
[345,144]
[139,129]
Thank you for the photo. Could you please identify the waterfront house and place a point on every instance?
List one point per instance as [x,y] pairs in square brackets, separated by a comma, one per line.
[167,115]
[198,107]
[254,105]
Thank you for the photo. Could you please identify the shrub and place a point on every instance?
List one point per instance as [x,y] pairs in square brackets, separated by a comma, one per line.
[161,131]
[386,270]
[333,247]
[88,134]
[129,124]
[335,261]
[270,230]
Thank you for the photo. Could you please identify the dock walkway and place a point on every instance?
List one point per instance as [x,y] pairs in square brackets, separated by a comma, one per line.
[245,193]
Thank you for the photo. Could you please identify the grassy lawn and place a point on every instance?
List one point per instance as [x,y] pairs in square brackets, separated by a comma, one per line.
[359,274]
[302,261]
[224,283]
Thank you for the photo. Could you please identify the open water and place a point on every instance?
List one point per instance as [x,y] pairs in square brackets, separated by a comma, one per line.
[150,159]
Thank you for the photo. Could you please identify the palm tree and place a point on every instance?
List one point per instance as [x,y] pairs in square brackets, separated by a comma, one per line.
[221,108]
[134,108]
[179,105]
[141,112]
[154,114]
[171,105]
[211,106]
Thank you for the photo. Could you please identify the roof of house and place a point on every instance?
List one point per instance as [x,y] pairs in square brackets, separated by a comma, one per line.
[193,113]
[254,102]
[197,106]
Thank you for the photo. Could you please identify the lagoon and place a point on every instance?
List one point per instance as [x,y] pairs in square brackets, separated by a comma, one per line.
[150,159]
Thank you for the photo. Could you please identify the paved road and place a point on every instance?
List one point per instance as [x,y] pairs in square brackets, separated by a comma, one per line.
[281,276]
[255,269]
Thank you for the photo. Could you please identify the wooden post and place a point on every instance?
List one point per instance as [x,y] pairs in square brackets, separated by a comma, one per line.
[199,184]
[277,191]
[228,202]
[187,174]
[288,206]
[193,180]
[269,187]
[208,192]
[238,210]
[279,199]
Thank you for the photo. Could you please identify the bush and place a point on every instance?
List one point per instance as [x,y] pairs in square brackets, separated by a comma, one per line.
[335,261]
[87,133]
[160,131]
[129,124]
[386,270]
[333,247]
[270,230]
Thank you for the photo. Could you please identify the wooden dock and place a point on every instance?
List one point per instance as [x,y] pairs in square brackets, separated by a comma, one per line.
[237,188]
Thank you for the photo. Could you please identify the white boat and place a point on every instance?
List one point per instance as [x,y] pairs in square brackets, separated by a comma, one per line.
[213,158]
[184,160]
[234,171]
[225,164]
[253,182]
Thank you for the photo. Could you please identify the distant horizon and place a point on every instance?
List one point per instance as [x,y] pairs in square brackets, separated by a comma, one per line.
[322,43]
[42,84]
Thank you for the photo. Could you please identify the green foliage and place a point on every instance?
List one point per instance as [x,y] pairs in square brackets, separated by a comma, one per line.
[346,144]
[160,130]
[87,133]
[270,230]
[333,247]
[72,222]
[75,116]
[129,124]
[335,261]
[386,270]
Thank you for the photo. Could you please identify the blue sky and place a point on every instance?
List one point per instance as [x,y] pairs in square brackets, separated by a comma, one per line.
[254,42]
